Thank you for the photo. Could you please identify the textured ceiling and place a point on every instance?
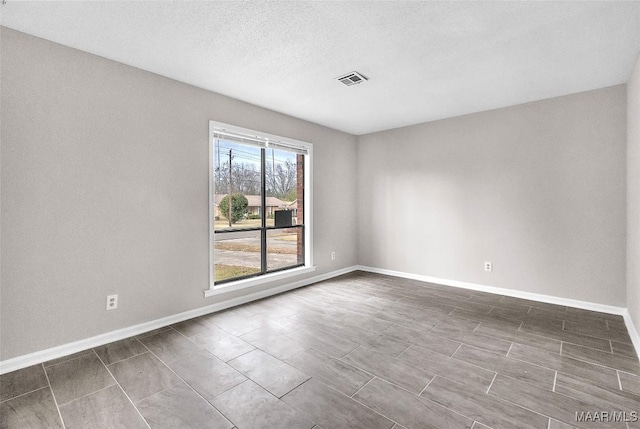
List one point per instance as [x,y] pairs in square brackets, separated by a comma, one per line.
[425,60]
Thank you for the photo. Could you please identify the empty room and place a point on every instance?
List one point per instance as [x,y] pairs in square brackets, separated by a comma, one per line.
[319,214]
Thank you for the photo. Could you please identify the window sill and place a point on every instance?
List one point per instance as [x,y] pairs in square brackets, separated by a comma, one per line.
[256,281]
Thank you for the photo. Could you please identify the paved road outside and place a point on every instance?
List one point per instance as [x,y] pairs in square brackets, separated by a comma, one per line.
[252,259]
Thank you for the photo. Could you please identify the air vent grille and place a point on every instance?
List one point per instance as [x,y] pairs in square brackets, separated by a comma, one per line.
[352,78]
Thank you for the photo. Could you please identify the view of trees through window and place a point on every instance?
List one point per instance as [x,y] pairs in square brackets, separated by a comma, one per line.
[260,228]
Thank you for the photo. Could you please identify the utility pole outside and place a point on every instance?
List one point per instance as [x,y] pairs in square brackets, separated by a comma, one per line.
[229,199]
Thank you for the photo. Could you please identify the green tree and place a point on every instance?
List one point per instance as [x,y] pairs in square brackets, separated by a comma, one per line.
[239,205]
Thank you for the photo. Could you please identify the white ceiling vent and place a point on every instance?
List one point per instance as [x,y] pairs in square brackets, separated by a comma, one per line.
[352,78]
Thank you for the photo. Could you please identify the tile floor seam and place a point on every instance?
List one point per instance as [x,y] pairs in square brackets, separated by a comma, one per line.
[569,357]
[23,394]
[440,405]
[250,351]
[121,360]
[494,379]
[153,332]
[599,364]
[529,409]
[183,335]
[308,416]
[66,361]
[53,395]
[281,360]
[553,339]
[476,328]
[486,350]
[398,356]
[229,388]
[411,365]
[619,381]
[455,351]
[405,349]
[254,329]
[241,354]
[390,382]
[425,387]
[496,372]
[422,399]
[570,395]
[221,328]
[123,391]
[88,394]
[380,302]
[364,405]
[356,367]
[362,387]
[124,360]
[568,342]
[510,347]
[590,335]
[342,357]
[190,387]
[551,369]
[508,352]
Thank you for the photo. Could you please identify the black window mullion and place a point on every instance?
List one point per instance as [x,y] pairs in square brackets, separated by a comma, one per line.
[268,263]
[263,209]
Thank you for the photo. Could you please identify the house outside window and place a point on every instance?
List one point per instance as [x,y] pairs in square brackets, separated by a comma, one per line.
[260,193]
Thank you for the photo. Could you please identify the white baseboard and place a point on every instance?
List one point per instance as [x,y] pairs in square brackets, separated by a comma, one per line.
[631,329]
[586,305]
[41,356]
[24,361]
[500,291]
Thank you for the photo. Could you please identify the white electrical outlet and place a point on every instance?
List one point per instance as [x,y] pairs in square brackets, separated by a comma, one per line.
[333,256]
[488,266]
[112,302]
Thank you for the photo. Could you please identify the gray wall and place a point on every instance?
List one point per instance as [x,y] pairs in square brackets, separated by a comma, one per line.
[633,196]
[537,189]
[105,190]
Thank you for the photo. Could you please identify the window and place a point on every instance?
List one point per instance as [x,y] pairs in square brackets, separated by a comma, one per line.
[259,205]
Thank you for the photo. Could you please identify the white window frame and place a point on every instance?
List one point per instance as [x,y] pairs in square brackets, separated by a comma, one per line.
[307,212]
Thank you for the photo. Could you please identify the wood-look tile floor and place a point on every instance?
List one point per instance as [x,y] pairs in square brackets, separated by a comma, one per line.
[358,351]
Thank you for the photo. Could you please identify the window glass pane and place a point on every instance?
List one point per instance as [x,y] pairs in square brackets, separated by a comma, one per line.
[236,168]
[284,178]
[257,210]
[285,248]
[236,254]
